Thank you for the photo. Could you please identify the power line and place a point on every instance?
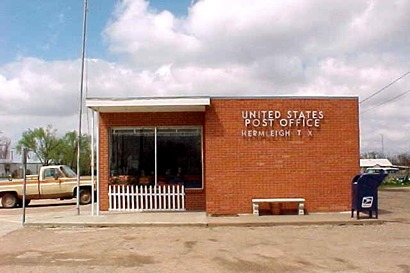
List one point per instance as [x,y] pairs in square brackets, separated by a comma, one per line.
[380,90]
[396,97]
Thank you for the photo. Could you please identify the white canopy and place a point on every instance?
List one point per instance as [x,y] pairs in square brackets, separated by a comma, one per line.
[173,104]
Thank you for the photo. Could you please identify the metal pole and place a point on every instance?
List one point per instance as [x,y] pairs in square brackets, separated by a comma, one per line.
[81,103]
[24,161]
[156,156]
[98,164]
[92,163]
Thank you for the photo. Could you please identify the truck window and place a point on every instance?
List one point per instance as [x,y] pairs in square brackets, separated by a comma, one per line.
[382,170]
[51,173]
[68,172]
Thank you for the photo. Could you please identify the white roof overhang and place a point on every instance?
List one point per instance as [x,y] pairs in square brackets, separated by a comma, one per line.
[191,104]
[379,162]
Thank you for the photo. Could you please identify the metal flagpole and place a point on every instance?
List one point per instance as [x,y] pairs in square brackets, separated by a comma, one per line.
[81,103]
[24,161]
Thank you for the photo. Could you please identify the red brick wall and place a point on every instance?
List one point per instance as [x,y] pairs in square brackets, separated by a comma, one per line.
[195,199]
[236,168]
[319,168]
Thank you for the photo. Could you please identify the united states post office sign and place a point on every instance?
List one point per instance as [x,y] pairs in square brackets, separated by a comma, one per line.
[280,124]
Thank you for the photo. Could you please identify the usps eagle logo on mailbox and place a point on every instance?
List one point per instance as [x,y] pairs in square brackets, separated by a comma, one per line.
[367,202]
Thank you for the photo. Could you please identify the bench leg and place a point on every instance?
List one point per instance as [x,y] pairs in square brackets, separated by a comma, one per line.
[255,207]
[301,209]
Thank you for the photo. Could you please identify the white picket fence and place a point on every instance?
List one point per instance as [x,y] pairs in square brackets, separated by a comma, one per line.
[146,198]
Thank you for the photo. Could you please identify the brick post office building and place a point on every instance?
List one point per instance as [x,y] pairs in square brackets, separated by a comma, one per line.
[219,153]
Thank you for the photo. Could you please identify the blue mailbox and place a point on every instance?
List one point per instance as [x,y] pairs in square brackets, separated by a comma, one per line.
[364,193]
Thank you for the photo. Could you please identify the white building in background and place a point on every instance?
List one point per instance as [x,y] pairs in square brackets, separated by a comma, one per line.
[374,163]
[12,165]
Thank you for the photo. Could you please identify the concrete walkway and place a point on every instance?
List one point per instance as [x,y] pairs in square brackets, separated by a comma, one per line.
[393,208]
[200,219]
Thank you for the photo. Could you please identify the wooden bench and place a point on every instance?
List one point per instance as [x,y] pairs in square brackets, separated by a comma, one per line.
[301,205]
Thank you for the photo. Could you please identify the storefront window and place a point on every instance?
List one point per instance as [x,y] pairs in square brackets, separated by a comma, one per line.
[179,157]
[156,156]
[132,157]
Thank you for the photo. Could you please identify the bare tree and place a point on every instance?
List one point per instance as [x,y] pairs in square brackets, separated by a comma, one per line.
[5,144]
[401,159]
[372,155]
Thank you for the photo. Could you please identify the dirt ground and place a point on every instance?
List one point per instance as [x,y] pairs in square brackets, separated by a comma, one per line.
[318,248]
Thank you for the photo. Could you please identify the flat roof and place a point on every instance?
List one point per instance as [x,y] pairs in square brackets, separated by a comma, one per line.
[304,97]
[174,104]
[177,104]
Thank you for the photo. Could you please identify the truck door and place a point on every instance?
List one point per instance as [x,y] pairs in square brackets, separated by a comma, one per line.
[50,186]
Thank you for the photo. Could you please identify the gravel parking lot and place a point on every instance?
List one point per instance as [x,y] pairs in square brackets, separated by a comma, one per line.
[317,248]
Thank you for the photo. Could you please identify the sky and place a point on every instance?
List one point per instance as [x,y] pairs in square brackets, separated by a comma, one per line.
[138,48]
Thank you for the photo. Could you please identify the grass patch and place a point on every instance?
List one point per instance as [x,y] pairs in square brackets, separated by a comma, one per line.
[394,181]
[392,185]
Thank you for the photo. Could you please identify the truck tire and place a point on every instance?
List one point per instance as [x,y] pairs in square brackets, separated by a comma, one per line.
[9,200]
[85,196]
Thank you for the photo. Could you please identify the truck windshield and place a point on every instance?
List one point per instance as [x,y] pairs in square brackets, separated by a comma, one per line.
[68,172]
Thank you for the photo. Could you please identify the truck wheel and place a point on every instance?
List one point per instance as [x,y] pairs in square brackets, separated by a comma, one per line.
[85,196]
[9,200]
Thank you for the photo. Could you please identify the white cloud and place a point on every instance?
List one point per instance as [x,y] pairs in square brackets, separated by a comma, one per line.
[40,87]
[147,38]
[234,47]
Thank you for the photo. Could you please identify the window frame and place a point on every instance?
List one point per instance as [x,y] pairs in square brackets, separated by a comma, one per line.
[155,129]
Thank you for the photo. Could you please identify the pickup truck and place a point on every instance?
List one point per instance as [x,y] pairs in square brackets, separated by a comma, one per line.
[57,181]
